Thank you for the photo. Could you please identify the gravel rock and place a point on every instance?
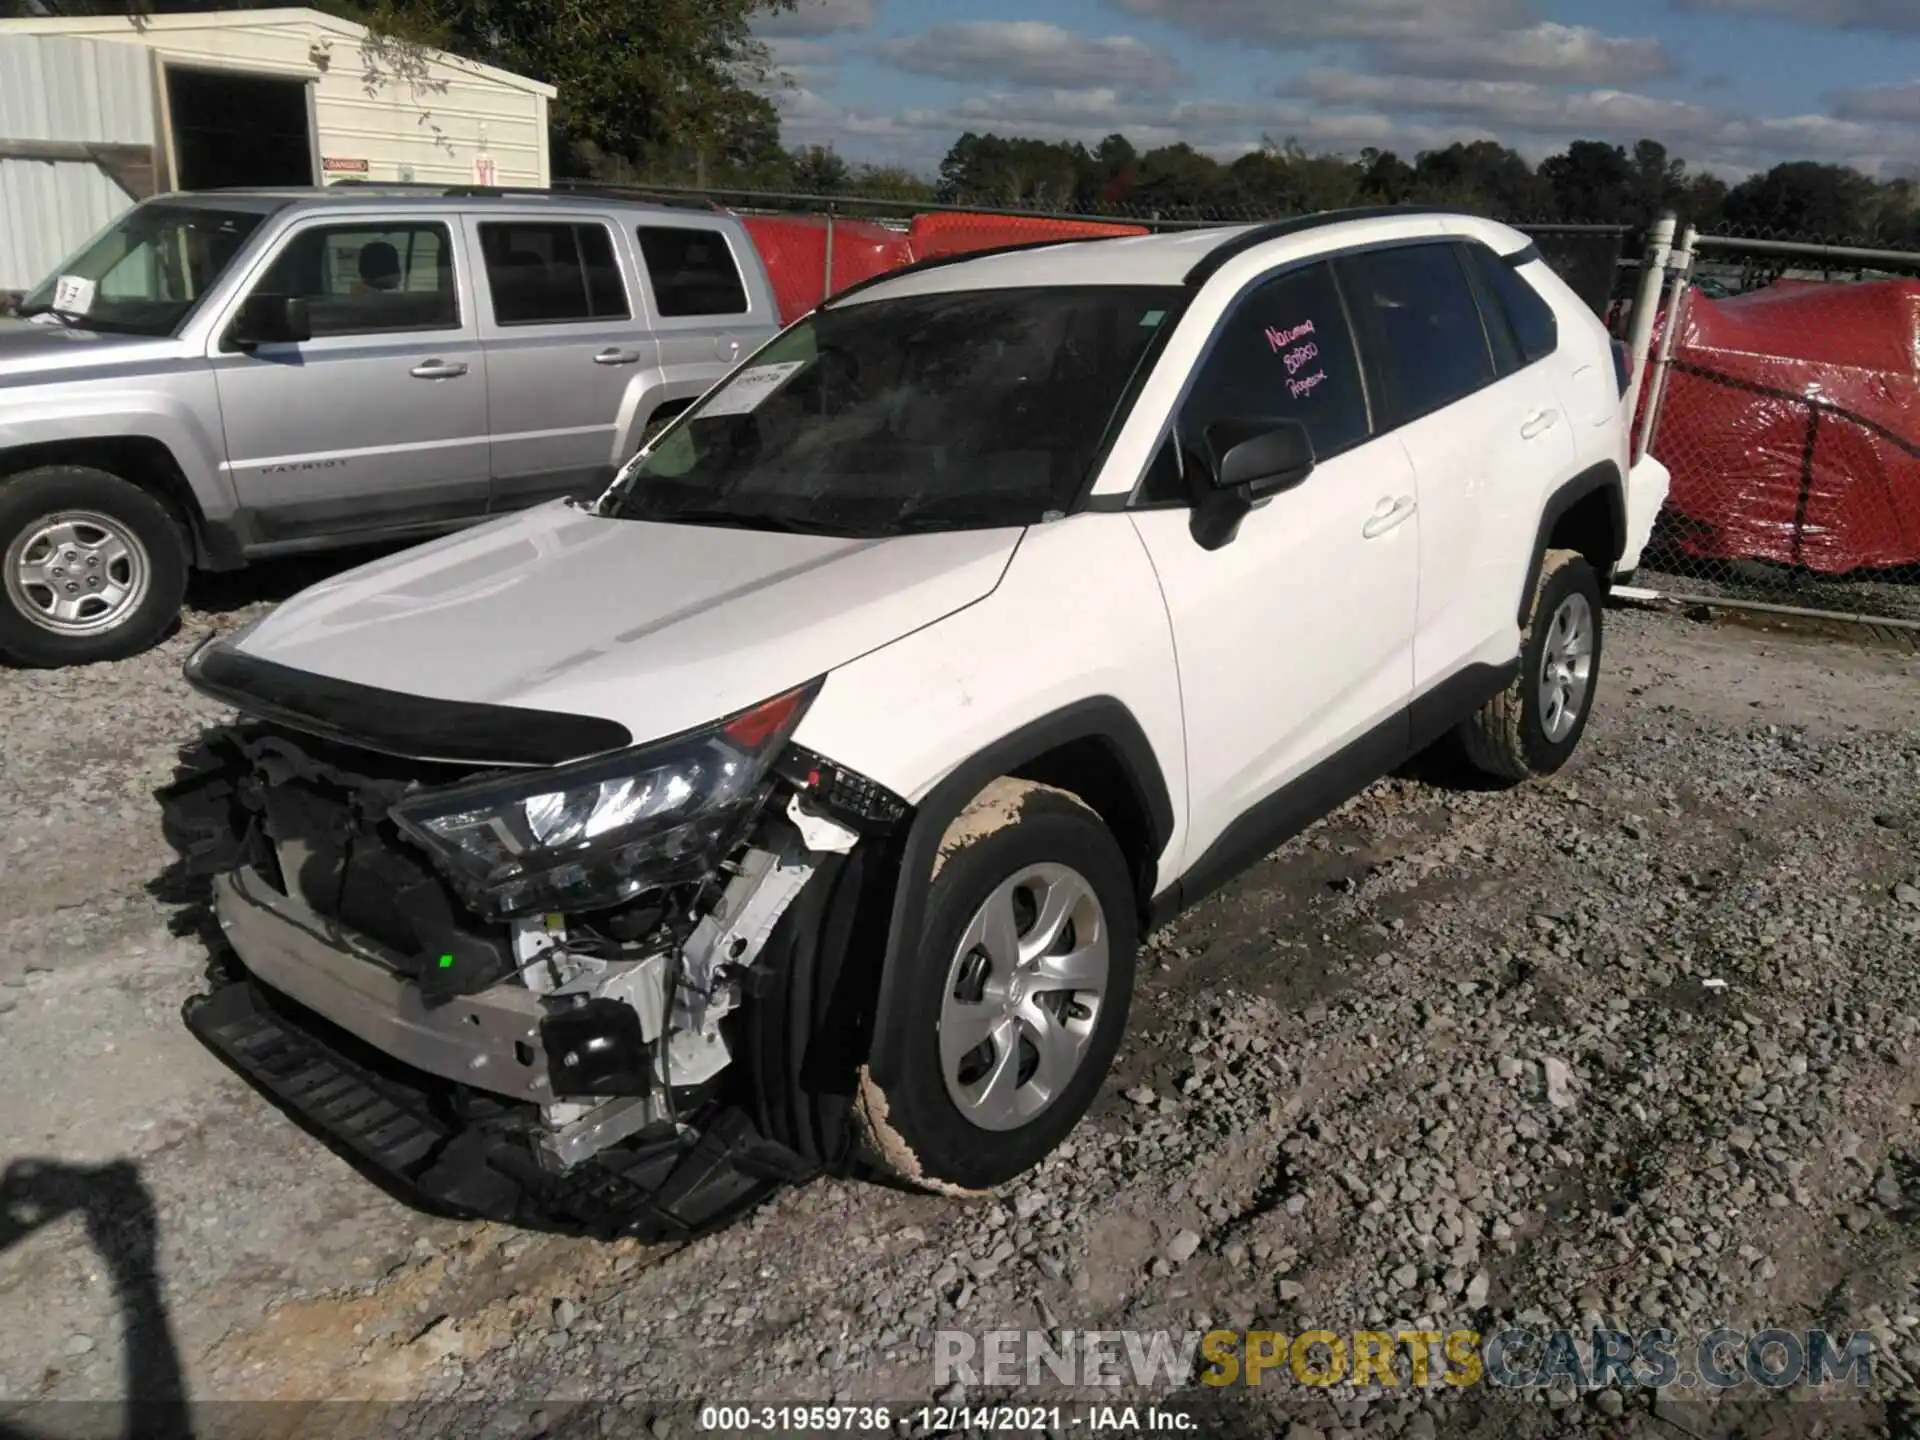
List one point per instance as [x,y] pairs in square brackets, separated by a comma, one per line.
[1352,1128]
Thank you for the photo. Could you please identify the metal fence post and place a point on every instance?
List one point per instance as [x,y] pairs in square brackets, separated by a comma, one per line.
[826,281]
[1646,305]
[1678,294]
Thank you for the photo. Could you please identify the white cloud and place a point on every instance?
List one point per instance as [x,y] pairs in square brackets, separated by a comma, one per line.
[813,64]
[1527,114]
[1222,128]
[819,17]
[1901,16]
[1031,52]
[1296,22]
[1898,103]
[1567,54]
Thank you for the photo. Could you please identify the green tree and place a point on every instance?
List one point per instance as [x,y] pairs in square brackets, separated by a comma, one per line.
[988,169]
[1591,183]
[1178,177]
[1385,178]
[818,170]
[1803,199]
[1485,177]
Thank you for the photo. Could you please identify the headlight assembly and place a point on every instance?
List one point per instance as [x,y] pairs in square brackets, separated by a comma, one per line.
[593,834]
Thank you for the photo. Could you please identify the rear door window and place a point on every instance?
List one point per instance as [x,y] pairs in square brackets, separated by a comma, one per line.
[1420,324]
[692,270]
[1536,328]
[362,280]
[541,273]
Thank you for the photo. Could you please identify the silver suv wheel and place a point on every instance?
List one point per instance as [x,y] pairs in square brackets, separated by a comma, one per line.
[1566,667]
[77,572]
[1023,995]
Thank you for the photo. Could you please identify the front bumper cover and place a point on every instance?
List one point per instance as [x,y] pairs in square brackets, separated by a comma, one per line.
[401,1124]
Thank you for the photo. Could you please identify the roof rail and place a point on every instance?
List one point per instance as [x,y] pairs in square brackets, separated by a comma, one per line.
[961,257]
[1209,264]
[564,190]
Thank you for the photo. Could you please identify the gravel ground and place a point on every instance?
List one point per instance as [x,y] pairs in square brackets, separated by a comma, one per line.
[1633,1047]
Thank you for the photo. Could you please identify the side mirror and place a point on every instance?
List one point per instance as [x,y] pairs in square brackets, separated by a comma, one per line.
[1251,461]
[271,320]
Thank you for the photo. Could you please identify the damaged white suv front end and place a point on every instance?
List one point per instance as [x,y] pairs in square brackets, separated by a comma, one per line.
[560,947]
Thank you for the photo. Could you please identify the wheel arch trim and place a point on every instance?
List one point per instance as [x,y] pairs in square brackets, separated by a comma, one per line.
[1103,720]
[1604,476]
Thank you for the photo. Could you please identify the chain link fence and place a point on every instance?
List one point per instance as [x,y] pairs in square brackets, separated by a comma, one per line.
[1783,394]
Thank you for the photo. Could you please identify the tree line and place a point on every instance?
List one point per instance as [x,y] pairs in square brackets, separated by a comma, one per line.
[1591,182]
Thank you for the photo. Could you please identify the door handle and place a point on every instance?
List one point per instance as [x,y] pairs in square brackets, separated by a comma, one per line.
[615,356]
[438,370]
[1539,423]
[1389,513]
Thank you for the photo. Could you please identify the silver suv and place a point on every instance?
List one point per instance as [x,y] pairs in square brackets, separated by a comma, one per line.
[225,376]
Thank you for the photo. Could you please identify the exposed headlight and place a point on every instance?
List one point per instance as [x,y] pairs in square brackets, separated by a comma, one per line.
[584,836]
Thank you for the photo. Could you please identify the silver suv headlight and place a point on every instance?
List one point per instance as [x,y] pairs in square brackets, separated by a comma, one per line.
[592,834]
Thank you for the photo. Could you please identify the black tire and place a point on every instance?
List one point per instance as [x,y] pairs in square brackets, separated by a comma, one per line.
[123,520]
[1509,738]
[911,1123]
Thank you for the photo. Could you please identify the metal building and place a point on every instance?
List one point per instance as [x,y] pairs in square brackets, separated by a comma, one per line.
[98,112]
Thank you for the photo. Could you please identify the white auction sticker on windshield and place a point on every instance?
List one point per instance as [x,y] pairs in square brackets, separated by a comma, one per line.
[744,393]
[73,294]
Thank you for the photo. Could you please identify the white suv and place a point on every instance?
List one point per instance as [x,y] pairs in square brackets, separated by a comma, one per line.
[804,798]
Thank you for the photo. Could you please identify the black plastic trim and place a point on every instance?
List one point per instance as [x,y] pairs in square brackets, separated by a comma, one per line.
[1453,699]
[1271,822]
[1103,719]
[411,726]
[1275,820]
[1604,476]
[1524,257]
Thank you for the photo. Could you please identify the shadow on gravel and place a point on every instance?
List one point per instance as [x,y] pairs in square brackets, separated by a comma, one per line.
[124,1229]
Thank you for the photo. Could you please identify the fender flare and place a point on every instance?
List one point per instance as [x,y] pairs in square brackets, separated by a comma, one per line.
[1604,476]
[1103,719]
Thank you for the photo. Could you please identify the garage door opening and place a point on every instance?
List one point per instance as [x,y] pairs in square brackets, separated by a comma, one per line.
[234,129]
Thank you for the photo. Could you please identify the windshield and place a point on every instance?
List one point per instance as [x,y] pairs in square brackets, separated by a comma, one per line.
[931,412]
[144,273]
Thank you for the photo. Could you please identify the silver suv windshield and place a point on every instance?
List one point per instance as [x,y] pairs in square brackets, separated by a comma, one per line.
[144,273]
[947,411]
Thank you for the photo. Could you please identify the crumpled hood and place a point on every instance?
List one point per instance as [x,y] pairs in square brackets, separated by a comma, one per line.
[658,627]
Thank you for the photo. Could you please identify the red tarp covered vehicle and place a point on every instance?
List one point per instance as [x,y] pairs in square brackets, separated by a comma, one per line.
[1792,427]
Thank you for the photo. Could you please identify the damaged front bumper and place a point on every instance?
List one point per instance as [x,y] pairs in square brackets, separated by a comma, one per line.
[555,1070]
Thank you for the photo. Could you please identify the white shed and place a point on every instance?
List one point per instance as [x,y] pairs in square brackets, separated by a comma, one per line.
[97,112]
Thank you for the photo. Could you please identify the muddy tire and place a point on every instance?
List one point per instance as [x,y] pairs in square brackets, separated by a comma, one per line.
[1533,726]
[996,1036]
[91,567]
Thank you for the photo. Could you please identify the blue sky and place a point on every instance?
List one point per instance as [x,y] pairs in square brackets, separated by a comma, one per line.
[1731,85]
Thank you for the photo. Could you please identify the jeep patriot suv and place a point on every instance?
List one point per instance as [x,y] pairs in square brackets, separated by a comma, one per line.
[225,376]
[802,799]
